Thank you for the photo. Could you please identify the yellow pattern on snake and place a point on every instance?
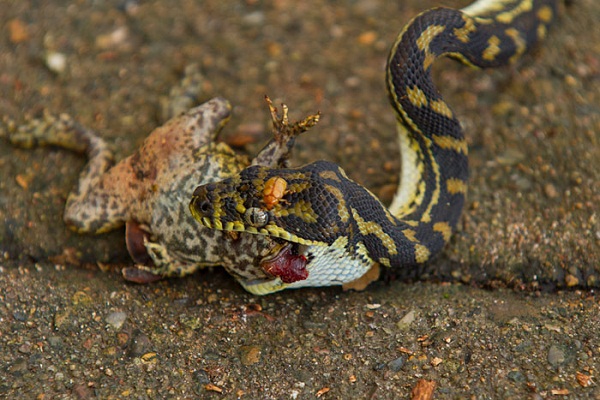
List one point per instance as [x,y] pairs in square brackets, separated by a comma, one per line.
[332,230]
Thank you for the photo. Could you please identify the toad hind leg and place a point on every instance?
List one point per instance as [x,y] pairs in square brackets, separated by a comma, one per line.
[108,195]
[66,133]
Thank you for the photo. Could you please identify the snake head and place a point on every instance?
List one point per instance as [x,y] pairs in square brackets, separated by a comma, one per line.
[302,205]
[308,213]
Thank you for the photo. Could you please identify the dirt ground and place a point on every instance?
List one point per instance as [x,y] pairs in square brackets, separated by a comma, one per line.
[509,310]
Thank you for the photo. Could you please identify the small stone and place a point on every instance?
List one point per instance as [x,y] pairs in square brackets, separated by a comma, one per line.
[212,298]
[116,319]
[122,338]
[131,7]
[18,367]
[314,325]
[583,379]
[23,181]
[201,377]
[571,280]
[81,298]
[20,316]
[367,38]
[408,319]
[250,355]
[115,39]
[17,31]
[570,80]
[213,388]
[397,364]
[56,62]
[149,361]
[25,348]
[556,355]
[423,390]
[256,18]
[352,82]
[140,344]
[510,156]
[274,49]
[503,108]
[550,191]
[82,391]
[436,361]
[516,376]
[55,342]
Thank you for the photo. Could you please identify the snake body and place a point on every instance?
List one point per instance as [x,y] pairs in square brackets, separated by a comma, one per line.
[333,230]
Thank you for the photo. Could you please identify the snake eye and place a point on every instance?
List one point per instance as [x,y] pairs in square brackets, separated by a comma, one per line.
[256,217]
[205,207]
[201,202]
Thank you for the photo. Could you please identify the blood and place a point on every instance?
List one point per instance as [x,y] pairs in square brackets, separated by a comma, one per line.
[287,265]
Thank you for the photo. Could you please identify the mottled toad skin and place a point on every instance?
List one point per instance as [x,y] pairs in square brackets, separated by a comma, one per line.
[150,190]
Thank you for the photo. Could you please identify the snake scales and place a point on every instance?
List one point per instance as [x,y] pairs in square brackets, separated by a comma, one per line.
[332,230]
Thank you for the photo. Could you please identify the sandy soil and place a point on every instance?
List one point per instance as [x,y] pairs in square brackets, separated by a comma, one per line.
[510,310]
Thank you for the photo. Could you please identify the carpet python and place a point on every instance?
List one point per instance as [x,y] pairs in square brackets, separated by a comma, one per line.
[333,231]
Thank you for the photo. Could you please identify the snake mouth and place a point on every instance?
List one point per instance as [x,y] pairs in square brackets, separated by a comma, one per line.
[287,262]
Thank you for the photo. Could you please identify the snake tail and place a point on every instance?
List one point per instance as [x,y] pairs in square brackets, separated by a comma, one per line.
[434,151]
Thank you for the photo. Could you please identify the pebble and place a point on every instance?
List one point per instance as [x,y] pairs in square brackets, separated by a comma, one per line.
[516,376]
[18,367]
[556,355]
[81,391]
[550,191]
[18,31]
[131,7]
[60,318]
[113,40]
[55,342]
[56,62]
[510,156]
[140,344]
[81,298]
[25,348]
[201,377]
[250,355]
[116,319]
[571,280]
[313,325]
[256,18]
[397,364]
[122,338]
[367,38]
[20,316]
[408,319]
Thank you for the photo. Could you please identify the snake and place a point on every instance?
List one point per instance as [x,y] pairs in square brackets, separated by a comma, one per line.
[332,230]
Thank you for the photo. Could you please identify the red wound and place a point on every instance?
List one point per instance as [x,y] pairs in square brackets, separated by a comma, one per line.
[287,266]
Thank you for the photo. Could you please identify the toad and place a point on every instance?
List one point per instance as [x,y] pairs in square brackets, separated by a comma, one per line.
[149,191]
